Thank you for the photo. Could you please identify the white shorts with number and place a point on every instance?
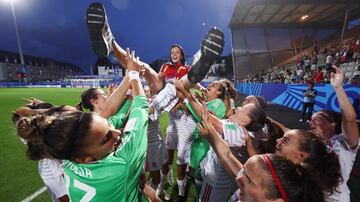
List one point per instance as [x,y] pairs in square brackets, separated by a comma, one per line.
[156,155]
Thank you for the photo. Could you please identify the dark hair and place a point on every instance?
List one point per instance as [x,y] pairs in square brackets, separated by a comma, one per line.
[333,117]
[86,96]
[322,163]
[44,105]
[258,119]
[270,133]
[260,101]
[182,61]
[296,181]
[228,92]
[60,136]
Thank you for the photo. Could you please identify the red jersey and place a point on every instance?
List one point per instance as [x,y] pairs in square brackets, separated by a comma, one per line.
[170,71]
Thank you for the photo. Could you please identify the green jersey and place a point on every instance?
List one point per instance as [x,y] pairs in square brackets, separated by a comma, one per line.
[118,119]
[200,146]
[217,106]
[116,177]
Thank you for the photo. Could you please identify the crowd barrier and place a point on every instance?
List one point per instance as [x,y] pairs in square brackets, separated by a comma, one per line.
[291,95]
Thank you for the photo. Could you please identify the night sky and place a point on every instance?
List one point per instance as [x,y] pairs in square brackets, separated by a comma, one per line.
[56,28]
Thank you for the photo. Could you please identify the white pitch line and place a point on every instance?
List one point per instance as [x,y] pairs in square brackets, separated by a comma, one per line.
[34,195]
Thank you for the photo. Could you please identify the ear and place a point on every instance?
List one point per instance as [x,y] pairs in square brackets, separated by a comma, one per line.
[303,156]
[93,101]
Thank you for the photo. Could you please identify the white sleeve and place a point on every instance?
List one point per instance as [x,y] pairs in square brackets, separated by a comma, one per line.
[234,135]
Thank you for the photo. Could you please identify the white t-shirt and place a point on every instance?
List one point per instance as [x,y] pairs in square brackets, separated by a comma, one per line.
[329,59]
[50,168]
[213,171]
[346,160]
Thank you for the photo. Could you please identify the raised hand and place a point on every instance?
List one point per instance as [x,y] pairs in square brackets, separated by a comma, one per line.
[337,78]
[132,62]
[32,101]
[181,92]
[111,88]
[23,111]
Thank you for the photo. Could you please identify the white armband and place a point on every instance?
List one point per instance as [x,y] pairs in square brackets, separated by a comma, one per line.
[134,75]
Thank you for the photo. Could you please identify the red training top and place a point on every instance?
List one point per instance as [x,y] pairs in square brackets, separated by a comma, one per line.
[170,71]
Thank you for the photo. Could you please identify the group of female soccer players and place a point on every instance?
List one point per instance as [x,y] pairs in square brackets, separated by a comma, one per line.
[227,152]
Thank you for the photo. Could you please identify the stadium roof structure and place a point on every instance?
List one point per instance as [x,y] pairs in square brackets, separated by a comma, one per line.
[293,13]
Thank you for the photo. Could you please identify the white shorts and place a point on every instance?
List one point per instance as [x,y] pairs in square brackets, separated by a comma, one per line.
[56,187]
[180,135]
[186,126]
[156,155]
[214,194]
[172,131]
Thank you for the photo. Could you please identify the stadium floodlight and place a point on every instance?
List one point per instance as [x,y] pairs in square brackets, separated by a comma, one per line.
[304,17]
[22,62]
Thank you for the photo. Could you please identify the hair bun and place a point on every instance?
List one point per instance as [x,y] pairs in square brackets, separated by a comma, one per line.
[29,128]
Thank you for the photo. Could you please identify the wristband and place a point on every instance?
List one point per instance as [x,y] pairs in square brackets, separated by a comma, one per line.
[134,75]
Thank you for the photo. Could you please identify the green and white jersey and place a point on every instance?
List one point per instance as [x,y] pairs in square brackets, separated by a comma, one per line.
[118,119]
[200,146]
[217,106]
[116,177]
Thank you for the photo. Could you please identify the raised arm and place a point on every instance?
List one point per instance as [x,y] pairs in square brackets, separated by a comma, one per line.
[349,126]
[216,122]
[115,100]
[222,150]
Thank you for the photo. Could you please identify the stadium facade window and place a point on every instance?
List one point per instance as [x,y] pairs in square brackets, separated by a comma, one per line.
[6,59]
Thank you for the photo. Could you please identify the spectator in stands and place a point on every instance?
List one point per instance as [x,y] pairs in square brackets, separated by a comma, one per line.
[308,77]
[307,63]
[287,77]
[308,102]
[294,77]
[300,74]
[329,61]
[318,76]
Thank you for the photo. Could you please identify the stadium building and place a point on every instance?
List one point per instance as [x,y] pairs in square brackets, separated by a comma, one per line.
[274,33]
[36,68]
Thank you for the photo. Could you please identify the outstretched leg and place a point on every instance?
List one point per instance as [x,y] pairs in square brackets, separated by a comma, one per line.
[103,43]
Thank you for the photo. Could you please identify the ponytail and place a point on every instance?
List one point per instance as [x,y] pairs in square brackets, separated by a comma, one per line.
[79,106]
[61,136]
[31,130]
[322,163]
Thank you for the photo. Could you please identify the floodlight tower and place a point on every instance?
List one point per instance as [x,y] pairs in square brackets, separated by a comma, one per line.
[18,38]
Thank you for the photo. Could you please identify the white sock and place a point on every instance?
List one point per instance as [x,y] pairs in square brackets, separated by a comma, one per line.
[181,185]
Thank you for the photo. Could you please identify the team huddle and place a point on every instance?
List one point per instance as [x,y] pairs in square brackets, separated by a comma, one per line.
[228,153]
